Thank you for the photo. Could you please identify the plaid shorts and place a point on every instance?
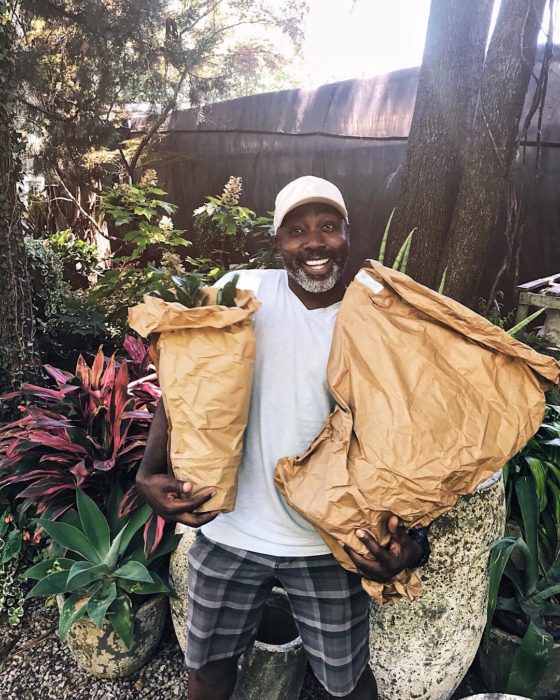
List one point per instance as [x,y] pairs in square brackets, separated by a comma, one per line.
[228,590]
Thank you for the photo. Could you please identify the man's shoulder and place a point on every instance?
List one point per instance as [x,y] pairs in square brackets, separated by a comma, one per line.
[252,279]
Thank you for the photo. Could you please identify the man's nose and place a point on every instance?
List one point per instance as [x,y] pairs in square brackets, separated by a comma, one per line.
[315,238]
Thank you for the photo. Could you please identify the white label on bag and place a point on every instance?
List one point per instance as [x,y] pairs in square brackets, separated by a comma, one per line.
[370,283]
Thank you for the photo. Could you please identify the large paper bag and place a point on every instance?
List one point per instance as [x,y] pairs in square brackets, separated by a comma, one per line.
[204,358]
[431,398]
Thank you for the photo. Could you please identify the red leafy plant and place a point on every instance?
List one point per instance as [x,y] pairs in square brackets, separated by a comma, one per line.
[88,433]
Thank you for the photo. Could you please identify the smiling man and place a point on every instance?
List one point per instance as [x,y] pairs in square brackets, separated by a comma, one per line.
[237,557]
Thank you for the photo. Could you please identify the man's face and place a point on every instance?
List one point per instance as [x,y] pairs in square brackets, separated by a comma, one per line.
[313,243]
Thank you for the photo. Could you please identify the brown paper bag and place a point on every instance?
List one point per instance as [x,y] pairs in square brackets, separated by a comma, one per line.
[431,398]
[204,358]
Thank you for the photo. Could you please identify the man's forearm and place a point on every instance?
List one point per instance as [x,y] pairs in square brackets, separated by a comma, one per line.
[154,460]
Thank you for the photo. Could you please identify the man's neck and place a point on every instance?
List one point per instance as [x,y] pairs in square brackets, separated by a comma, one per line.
[319,300]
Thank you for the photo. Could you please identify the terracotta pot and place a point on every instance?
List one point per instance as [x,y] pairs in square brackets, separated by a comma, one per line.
[102,652]
[496,658]
[423,649]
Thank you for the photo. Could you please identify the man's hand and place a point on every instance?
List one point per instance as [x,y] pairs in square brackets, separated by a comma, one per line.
[170,499]
[402,552]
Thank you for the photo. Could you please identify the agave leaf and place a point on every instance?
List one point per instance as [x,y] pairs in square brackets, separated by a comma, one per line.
[74,608]
[94,524]
[140,588]
[50,584]
[122,540]
[43,568]
[530,662]
[133,571]
[119,615]
[100,602]
[83,573]
[167,545]
[71,538]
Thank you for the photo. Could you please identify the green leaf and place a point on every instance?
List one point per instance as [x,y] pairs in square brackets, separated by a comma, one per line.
[119,615]
[525,322]
[99,603]
[139,588]
[12,547]
[538,470]
[83,573]
[74,608]
[442,282]
[529,504]
[500,553]
[71,517]
[530,662]
[70,537]
[122,540]
[168,544]
[94,523]
[53,583]
[115,497]
[44,567]
[133,571]
[403,253]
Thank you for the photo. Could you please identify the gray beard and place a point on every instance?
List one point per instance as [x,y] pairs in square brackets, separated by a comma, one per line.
[310,284]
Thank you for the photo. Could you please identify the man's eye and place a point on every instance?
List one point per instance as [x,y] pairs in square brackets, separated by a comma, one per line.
[296,231]
[328,226]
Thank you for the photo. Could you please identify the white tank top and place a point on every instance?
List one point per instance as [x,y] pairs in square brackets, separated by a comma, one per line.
[290,403]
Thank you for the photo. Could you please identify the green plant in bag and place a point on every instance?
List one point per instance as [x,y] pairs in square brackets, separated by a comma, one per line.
[104,568]
[186,290]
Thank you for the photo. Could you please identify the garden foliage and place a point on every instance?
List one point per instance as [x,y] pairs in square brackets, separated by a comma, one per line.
[88,432]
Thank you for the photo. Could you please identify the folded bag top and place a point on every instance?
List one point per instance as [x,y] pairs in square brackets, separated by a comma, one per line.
[431,398]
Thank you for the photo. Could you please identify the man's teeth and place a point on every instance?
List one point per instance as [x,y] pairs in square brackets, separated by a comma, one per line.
[317,263]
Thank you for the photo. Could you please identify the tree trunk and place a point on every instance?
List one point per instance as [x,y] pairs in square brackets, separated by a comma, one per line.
[17,348]
[492,144]
[445,103]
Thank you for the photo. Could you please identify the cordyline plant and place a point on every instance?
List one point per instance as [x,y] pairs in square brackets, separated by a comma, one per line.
[89,433]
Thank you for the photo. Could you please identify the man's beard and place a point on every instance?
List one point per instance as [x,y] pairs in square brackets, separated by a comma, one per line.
[313,284]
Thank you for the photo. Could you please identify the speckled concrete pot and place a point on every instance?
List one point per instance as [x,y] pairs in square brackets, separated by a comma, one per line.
[496,696]
[178,568]
[103,654]
[423,649]
[497,657]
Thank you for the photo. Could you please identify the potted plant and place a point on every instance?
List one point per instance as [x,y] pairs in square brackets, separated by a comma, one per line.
[521,652]
[112,596]
[88,431]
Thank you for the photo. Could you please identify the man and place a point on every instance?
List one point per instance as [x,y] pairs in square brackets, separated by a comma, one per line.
[237,557]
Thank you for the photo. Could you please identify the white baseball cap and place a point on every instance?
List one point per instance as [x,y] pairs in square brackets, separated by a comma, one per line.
[305,190]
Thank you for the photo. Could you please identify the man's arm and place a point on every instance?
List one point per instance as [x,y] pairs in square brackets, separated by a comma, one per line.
[168,496]
[402,552]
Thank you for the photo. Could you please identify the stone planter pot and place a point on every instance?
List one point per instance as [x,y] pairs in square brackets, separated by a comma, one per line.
[423,649]
[273,669]
[103,654]
[495,664]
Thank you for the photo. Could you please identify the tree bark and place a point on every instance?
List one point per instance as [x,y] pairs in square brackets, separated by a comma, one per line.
[446,97]
[17,348]
[491,145]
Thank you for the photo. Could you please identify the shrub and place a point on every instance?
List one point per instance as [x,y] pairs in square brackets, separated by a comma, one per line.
[89,432]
